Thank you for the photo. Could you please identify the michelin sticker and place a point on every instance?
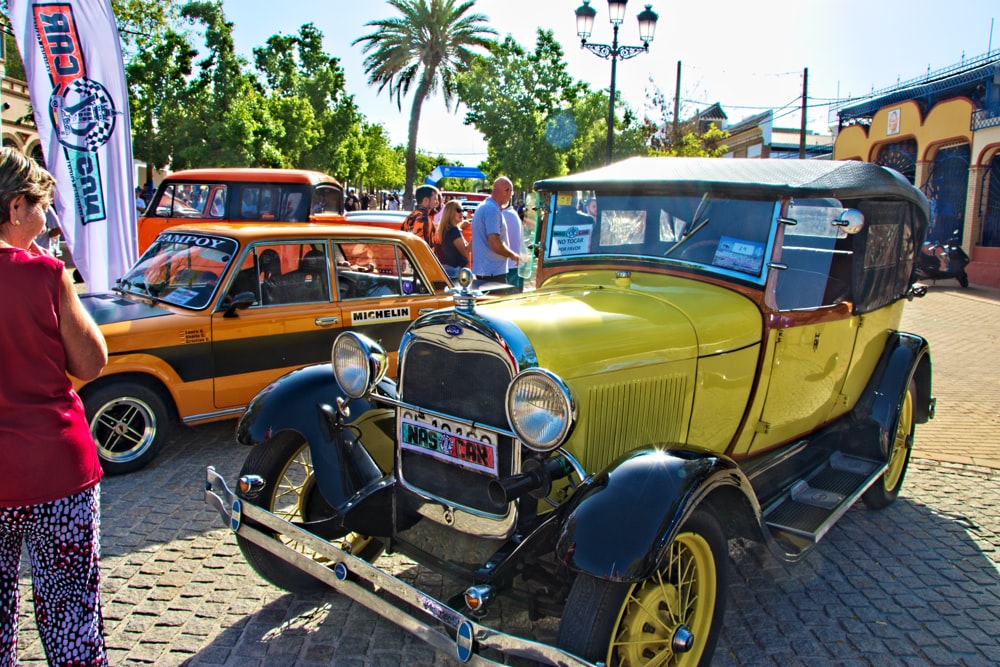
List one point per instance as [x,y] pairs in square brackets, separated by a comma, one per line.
[377,315]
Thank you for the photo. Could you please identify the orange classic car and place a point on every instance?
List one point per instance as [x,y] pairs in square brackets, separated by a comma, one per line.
[212,313]
[241,195]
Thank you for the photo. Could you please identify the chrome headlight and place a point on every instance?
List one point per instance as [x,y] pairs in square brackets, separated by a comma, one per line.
[540,409]
[359,363]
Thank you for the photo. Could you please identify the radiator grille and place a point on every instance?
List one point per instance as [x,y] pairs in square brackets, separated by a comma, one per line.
[623,416]
[470,386]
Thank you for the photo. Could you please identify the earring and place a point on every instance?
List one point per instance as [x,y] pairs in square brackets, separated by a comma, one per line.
[16,221]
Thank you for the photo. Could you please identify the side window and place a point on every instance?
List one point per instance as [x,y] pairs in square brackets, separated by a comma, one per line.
[183,200]
[302,275]
[248,277]
[817,255]
[375,270]
[252,204]
[281,274]
[217,203]
[326,199]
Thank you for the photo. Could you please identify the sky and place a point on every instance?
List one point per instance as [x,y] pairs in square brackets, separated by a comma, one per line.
[749,56]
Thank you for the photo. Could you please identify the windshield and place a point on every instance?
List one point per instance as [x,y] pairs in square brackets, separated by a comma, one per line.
[730,236]
[182,269]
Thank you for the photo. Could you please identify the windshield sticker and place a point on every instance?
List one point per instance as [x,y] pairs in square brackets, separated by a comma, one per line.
[571,240]
[224,245]
[181,296]
[380,315]
[739,255]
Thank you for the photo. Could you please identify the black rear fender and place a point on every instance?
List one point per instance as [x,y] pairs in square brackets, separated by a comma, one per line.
[906,357]
[620,523]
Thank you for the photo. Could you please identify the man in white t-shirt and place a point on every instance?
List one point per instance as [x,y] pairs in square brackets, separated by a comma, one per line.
[515,242]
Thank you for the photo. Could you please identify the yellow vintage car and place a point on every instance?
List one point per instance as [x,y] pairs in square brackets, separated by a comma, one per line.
[211,313]
[713,351]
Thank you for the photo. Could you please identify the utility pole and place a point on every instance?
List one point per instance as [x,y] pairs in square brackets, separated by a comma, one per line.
[802,134]
[677,106]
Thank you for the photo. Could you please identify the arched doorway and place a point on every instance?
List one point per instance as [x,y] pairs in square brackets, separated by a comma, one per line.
[946,188]
[990,235]
[901,156]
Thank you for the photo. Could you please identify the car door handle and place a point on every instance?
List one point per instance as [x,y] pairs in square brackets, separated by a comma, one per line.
[327,321]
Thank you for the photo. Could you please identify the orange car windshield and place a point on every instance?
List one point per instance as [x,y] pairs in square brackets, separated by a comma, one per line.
[181,269]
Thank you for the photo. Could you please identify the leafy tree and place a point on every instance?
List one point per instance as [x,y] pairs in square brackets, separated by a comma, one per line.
[140,23]
[225,120]
[383,168]
[523,103]
[691,144]
[158,81]
[682,139]
[427,45]
[320,124]
[537,120]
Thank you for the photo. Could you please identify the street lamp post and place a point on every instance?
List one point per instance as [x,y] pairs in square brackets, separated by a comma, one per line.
[584,26]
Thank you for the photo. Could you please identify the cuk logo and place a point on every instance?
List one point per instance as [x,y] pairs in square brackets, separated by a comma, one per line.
[81,110]
[83,115]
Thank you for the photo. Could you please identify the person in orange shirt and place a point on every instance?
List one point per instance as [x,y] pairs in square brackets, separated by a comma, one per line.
[421,221]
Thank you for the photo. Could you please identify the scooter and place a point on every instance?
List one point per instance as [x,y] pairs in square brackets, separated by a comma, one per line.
[939,261]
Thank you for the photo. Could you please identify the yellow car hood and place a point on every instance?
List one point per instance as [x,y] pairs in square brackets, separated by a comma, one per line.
[584,325]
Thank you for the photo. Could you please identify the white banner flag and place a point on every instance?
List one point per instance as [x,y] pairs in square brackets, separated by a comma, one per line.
[76,77]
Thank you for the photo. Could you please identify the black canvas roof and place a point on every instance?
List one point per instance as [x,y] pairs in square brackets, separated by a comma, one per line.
[758,179]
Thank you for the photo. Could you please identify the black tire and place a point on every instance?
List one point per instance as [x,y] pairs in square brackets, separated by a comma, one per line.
[963,279]
[610,622]
[290,492]
[885,491]
[129,422]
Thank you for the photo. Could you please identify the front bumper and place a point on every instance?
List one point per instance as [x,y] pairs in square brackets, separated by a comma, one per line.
[429,619]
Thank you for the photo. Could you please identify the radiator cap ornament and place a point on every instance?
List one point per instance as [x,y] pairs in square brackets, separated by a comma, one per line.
[465,296]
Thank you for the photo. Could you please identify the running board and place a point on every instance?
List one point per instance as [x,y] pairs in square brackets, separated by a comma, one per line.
[803,514]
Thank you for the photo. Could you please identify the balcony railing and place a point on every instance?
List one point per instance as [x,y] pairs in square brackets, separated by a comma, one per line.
[984,118]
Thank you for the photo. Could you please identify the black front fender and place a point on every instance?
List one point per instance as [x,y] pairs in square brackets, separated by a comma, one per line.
[305,402]
[619,523]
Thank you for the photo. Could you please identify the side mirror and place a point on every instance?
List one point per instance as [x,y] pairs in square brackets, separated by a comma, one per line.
[850,221]
[239,302]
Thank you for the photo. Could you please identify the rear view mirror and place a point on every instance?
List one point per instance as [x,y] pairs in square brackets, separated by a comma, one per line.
[850,221]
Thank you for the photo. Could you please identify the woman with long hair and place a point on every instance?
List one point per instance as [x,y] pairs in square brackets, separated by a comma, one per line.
[449,244]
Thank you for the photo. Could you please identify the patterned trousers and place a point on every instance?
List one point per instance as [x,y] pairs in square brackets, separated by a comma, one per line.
[63,543]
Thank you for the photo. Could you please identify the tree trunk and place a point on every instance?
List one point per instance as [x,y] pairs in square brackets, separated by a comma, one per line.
[411,149]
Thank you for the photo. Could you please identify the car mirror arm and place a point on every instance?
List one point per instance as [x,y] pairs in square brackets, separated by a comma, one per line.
[239,302]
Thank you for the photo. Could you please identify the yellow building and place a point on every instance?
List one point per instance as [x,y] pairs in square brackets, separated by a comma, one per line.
[941,131]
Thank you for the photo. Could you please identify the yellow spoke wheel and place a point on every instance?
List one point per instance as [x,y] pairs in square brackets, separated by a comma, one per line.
[671,618]
[666,619]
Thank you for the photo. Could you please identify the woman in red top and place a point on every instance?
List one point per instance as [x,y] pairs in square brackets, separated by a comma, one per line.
[49,493]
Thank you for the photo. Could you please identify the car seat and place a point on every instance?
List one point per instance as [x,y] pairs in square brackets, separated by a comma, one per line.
[269,268]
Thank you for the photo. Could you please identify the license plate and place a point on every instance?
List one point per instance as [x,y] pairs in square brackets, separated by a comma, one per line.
[449,442]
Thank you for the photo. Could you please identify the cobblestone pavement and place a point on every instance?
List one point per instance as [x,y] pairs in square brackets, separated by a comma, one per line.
[915,584]
[963,328]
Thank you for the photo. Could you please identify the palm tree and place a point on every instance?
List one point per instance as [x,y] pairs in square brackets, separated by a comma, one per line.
[430,43]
